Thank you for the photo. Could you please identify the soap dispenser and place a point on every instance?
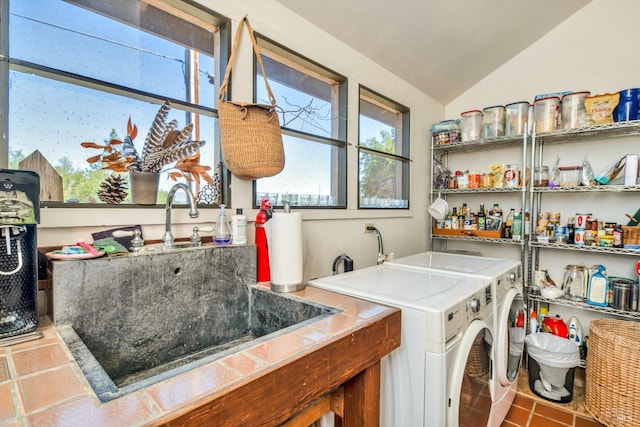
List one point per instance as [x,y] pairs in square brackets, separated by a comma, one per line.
[222,231]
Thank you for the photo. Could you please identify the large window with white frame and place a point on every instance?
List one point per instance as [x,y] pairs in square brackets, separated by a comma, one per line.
[383,152]
[74,71]
[312,111]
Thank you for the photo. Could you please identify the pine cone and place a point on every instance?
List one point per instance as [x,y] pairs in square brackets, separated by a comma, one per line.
[113,190]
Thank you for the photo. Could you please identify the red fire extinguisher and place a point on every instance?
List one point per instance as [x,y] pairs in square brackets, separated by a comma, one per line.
[264,272]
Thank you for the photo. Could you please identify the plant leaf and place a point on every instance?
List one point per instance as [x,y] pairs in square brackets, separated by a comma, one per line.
[94,159]
[92,145]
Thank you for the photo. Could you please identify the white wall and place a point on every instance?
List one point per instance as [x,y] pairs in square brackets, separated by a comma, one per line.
[327,233]
[594,50]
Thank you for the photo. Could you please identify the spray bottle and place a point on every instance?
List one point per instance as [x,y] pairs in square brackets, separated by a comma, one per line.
[264,271]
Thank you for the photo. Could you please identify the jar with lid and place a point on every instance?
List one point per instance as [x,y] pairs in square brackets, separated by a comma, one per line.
[541,176]
[471,125]
[574,283]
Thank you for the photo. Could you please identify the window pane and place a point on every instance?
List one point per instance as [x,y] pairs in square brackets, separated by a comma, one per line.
[378,128]
[305,181]
[381,183]
[79,41]
[309,101]
[38,122]
[304,102]
[79,73]
[383,153]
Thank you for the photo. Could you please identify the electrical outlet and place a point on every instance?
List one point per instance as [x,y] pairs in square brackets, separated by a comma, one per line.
[368,225]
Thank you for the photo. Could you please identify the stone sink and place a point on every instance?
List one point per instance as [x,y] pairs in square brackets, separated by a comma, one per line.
[136,320]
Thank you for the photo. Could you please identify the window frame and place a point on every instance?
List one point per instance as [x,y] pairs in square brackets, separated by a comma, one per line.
[403,167]
[183,11]
[303,64]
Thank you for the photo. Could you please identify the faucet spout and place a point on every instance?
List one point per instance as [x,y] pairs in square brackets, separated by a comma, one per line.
[168,238]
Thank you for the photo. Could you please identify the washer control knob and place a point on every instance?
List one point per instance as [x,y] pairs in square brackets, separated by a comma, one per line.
[512,277]
[474,305]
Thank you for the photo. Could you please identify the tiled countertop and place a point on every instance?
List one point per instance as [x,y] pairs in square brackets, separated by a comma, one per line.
[41,384]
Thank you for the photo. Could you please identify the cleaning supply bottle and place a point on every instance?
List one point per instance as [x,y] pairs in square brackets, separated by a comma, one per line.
[264,270]
[222,231]
[575,330]
[239,228]
[533,322]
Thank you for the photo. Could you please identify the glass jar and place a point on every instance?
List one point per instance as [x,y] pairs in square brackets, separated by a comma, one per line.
[541,176]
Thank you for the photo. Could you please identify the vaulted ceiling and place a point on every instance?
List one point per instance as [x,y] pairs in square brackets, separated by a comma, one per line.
[443,47]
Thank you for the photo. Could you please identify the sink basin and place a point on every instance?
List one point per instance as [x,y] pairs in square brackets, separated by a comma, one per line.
[134,321]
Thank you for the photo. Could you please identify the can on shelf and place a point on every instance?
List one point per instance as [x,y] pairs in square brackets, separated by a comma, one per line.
[581,220]
[579,237]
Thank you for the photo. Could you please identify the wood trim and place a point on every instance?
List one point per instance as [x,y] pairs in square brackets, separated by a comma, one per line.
[283,392]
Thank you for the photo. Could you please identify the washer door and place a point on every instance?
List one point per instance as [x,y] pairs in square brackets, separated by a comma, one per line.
[510,338]
[469,394]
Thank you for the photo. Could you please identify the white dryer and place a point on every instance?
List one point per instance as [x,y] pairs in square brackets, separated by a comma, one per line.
[446,319]
[506,279]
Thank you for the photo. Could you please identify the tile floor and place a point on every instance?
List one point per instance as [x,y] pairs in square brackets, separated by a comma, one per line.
[529,410]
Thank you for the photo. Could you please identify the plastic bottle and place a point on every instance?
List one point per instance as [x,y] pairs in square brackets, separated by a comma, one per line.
[508,228]
[516,230]
[575,330]
[222,232]
[239,228]
[482,218]
[533,322]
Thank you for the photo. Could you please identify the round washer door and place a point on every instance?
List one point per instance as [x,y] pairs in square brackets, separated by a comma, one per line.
[510,336]
[469,402]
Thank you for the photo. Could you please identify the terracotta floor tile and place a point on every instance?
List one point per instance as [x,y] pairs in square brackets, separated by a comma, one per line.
[126,411]
[6,403]
[4,370]
[39,391]
[539,421]
[186,387]
[243,364]
[39,359]
[509,424]
[280,348]
[337,323]
[518,416]
[552,413]
[584,422]
[523,401]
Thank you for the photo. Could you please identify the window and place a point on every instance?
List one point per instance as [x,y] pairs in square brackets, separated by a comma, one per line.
[383,153]
[312,111]
[78,70]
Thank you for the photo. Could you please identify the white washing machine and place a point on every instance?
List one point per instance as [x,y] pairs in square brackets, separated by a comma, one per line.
[506,279]
[446,318]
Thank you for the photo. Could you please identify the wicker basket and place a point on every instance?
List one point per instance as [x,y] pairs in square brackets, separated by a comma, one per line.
[612,375]
[478,361]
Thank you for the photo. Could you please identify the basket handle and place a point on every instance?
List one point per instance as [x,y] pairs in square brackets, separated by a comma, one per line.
[225,84]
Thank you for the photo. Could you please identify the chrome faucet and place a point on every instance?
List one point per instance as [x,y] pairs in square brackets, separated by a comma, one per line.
[167,239]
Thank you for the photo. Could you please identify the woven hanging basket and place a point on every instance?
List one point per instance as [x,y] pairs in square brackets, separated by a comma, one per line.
[251,140]
[250,133]
[612,375]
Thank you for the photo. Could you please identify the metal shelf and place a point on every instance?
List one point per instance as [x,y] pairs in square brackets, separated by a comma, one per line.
[482,144]
[478,239]
[478,190]
[599,249]
[592,188]
[598,131]
[635,315]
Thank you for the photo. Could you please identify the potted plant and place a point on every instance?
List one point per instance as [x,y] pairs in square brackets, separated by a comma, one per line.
[165,145]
